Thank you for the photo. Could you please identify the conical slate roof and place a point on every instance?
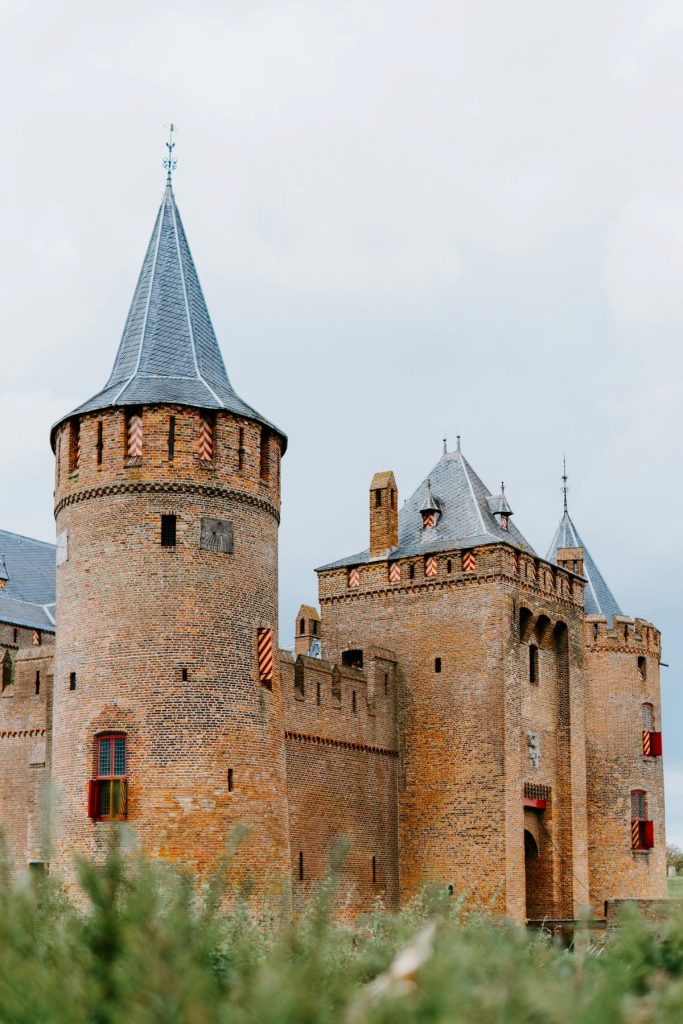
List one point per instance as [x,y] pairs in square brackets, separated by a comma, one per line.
[169,352]
[598,598]
[466,520]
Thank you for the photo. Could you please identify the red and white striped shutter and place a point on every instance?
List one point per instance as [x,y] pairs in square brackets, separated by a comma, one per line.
[205,445]
[134,436]
[354,577]
[265,655]
[428,520]
[431,566]
[394,572]
[469,561]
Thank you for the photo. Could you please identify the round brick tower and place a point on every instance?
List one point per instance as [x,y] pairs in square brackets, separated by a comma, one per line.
[167,703]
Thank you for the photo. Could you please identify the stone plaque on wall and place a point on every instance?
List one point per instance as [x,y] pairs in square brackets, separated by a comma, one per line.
[62,547]
[216,535]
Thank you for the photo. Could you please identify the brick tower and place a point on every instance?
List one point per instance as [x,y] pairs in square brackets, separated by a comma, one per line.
[167,700]
[488,644]
[624,774]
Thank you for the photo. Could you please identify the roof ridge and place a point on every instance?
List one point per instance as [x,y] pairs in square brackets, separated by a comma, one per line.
[24,536]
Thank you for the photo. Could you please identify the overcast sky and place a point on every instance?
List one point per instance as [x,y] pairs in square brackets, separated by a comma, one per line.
[410,220]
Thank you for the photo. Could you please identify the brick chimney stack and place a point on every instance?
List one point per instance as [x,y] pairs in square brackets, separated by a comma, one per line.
[383,514]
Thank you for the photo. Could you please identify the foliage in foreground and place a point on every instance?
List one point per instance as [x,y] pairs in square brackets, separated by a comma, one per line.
[141,949]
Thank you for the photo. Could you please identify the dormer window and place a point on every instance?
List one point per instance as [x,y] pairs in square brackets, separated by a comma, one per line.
[505,522]
[431,509]
[502,510]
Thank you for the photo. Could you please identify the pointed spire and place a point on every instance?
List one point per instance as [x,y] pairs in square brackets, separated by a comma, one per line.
[168,351]
[598,598]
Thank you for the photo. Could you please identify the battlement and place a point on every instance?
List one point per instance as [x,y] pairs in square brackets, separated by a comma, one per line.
[169,445]
[626,635]
[451,568]
[340,702]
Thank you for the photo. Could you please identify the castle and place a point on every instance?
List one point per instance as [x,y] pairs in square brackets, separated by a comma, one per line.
[465,711]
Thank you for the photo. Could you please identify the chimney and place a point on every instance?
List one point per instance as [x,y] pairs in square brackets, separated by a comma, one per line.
[307,632]
[571,558]
[383,514]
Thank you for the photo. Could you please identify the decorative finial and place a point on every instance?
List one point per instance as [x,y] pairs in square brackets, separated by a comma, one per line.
[458,439]
[170,163]
[565,486]
[445,445]
[502,487]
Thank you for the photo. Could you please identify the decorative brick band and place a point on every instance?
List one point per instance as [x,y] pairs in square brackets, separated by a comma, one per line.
[327,741]
[415,587]
[168,488]
[9,734]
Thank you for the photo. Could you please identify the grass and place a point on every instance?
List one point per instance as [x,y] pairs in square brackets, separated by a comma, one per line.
[138,946]
[676,888]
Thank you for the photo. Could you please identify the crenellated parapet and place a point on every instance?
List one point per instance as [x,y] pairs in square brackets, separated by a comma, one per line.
[341,703]
[625,635]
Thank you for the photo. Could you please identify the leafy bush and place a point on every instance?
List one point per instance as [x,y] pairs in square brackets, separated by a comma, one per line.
[136,945]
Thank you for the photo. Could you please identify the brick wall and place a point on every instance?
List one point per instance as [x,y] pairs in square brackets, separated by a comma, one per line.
[24,754]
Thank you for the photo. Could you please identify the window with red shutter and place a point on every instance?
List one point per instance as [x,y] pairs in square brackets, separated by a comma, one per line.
[108,791]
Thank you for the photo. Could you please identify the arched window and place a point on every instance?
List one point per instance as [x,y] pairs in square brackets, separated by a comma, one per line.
[302,627]
[108,791]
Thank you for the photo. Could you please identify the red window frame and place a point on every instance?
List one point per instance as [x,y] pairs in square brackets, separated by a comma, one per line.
[108,792]
[642,828]
[652,740]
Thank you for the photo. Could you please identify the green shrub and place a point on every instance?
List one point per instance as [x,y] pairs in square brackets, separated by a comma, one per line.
[138,946]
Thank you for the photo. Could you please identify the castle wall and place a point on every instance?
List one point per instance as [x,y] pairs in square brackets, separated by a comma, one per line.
[342,775]
[463,729]
[616,764]
[25,754]
[205,752]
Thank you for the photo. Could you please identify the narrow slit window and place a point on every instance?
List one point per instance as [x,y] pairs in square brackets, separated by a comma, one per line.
[642,668]
[99,447]
[317,693]
[240,450]
[37,682]
[264,456]
[171,438]
[378,498]
[533,663]
[353,701]
[437,665]
[74,445]
[168,531]
[72,680]
[184,675]
[230,780]
[411,571]
[374,869]
[302,627]
[301,865]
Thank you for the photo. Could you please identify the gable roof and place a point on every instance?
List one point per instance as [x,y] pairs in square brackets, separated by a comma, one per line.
[598,598]
[465,519]
[28,597]
[168,351]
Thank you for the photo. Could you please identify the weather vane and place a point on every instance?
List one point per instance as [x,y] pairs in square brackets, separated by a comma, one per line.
[170,163]
[565,486]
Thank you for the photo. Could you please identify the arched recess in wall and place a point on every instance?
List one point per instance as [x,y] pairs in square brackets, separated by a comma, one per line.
[7,671]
